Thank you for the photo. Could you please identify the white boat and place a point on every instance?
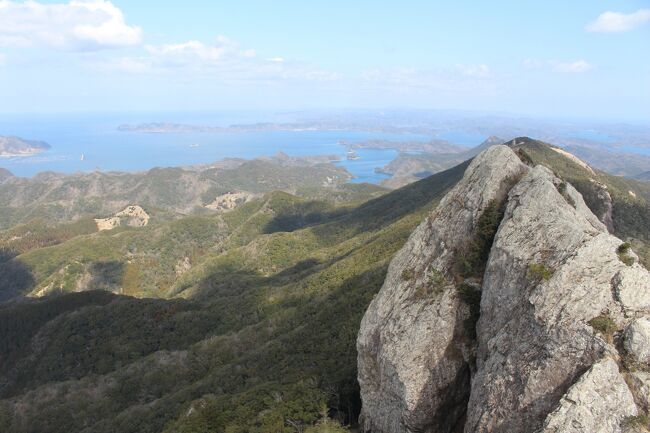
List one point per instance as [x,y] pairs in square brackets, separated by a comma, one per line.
[83,157]
[352,155]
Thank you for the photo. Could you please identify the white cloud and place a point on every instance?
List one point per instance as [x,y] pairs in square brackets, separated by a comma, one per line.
[576,67]
[196,54]
[223,59]
[533,64]
[77,25]
[616,22]
[474,70]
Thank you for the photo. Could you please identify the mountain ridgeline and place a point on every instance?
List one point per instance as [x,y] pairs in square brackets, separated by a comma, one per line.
[486,297]
[511,308]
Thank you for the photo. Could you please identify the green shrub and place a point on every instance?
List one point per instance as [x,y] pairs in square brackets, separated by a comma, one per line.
[326,426]
[472,297]
[642,421]
[436,279]
[605,325]
[623,253]
[628,260]
[435,284]
[624,248]
[540,272]
[470,261]
[408,274]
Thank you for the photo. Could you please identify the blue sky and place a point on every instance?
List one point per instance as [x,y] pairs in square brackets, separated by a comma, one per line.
[552,58]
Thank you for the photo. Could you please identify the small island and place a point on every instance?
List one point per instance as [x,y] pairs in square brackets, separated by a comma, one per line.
[15,146]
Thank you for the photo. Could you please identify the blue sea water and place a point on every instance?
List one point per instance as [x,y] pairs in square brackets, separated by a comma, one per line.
[105,148]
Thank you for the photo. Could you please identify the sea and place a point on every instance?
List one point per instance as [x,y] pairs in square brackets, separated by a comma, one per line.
[89,142]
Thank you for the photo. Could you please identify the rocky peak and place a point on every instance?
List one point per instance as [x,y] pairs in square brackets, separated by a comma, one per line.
[516,248]
[407,383]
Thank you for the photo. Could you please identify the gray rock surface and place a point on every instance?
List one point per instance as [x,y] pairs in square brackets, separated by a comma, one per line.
[413,357]
[637,339]
[597,403]
[632,288]
[639,382]
[549,273]
[552,269]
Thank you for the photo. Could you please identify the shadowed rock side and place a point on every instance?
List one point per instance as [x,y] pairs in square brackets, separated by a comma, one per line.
[414,357]
[557,292]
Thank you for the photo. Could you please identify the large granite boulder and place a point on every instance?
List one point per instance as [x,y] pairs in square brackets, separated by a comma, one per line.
[555,296]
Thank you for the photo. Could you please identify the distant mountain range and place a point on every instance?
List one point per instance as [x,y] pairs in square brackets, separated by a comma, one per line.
[15,146]
[166,191]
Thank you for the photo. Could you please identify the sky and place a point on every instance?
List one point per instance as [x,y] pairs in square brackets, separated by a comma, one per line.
[579,58]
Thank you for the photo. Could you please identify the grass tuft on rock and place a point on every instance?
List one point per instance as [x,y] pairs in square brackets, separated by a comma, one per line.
[540,272]
[605,325]
[623,253]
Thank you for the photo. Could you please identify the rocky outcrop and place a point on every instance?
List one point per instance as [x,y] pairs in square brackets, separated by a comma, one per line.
[552,294]
[407,382]
[131,216]
[549,273]
[637,340]
[229,201]
[631,289]
[599,402]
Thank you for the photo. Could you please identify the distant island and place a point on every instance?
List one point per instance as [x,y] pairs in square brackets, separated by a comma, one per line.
[15,146]
[179,128]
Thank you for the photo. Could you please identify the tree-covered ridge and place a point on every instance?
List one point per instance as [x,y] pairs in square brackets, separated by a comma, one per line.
[264,341]
[167,192]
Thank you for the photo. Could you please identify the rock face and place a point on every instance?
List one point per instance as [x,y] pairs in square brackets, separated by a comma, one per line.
[407,383]
[637,340]
[552,293]
[632,290]
[229,201]
[598,403]
[131,216]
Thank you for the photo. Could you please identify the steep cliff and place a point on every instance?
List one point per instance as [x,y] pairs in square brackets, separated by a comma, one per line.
[516,248]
